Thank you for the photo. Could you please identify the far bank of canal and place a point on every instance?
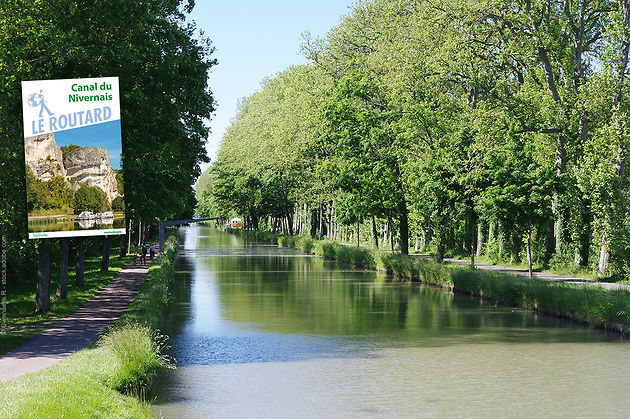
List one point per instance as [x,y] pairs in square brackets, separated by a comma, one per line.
[262,331]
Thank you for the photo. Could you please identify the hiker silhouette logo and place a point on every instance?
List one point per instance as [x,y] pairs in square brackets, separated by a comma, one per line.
[37,99]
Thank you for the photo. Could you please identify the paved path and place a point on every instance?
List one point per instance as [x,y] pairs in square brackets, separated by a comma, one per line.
[63,337]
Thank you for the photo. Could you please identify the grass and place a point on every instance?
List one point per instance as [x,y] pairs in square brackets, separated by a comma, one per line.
[21,299]
[595,306]
[111,377]
[592,305]
[85,384]
[154,296]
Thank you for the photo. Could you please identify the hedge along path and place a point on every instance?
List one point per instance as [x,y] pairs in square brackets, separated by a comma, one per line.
[66,336]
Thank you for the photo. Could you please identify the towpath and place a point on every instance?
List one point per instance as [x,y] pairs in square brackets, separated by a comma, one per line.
[522,272]
[63,337]
[540,275]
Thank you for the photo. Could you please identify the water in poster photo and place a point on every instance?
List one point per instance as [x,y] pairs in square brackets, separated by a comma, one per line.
[72,148]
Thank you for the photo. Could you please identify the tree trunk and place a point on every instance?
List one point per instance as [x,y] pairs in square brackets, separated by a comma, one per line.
[358,236]
[619,107]
[529,251]
[558,228]
[550,242]
[106,250]
[468,234]
[290,224]
[582,246]
[473,241]
[79,282]
[491,238]
[330,219]
[423,240]
[516,248]
[501,244]
[440,239]
[42,294]
[374,233]
[123,242]
[604,255]
[385,235]
[391,234]
[129,237]
[558,211]
[479,239]
[62,285]
[321,221]
[404,227]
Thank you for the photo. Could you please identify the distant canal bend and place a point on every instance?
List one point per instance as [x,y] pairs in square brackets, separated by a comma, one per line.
[260,331]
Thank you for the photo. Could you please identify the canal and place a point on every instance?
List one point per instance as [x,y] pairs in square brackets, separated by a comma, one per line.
[265,332]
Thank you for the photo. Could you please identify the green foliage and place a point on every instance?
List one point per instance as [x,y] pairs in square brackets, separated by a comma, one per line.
[52,195]
[118,204]
[439,119]
[120,181]
[90,198]
[138,351]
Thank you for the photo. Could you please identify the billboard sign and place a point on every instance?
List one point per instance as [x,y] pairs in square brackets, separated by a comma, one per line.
[72,149]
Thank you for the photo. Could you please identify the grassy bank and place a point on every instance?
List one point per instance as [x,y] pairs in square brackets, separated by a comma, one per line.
[586,304]
[106,378]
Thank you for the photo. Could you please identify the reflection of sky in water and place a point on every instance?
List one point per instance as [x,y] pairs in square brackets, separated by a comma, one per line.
[261,331]
[258,347]
[105,135]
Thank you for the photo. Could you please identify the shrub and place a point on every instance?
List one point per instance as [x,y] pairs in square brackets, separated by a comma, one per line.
[138,353]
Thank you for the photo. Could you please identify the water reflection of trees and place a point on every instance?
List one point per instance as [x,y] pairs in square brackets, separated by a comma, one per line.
[283,291]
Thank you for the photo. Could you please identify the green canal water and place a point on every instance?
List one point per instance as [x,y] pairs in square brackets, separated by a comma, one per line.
[265,332]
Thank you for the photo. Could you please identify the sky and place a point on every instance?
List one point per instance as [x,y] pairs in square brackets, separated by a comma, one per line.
[255,39]
[105,135]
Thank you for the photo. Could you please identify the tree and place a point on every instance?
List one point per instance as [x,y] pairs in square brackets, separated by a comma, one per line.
[118,204]
[90,198]
[42,296]
[62,285]
[521,191]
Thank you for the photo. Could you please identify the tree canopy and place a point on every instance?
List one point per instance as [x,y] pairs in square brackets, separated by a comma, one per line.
[475,127]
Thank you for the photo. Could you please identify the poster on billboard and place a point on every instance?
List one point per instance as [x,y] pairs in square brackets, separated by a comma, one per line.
[72,149]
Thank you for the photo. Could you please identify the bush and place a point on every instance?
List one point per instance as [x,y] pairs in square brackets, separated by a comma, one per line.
[138,352]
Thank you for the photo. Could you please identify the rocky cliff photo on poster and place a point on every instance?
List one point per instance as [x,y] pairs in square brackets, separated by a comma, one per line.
[73,157]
